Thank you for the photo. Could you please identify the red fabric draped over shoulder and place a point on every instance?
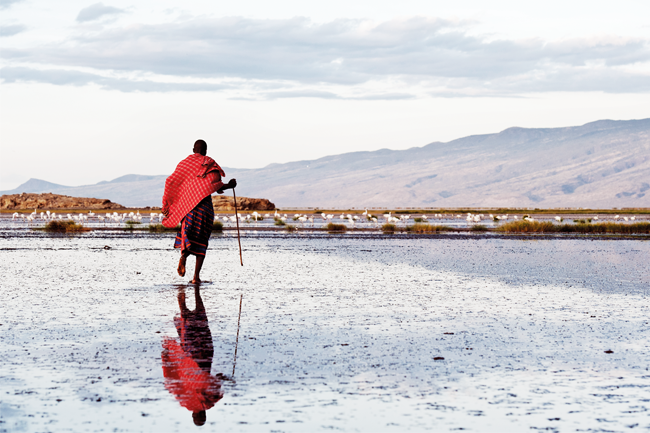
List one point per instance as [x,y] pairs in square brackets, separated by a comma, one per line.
[195,177]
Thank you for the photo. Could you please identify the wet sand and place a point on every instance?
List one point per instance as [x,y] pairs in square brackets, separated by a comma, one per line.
[337,332]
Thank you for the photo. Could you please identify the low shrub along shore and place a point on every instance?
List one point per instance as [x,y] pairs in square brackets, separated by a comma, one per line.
[157,228]
[549,227]
[64,226]
[130,225]
[424,228]
[522,226]
[332,227]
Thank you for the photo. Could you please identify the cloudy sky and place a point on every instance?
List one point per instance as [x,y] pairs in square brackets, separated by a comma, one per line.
[92,91]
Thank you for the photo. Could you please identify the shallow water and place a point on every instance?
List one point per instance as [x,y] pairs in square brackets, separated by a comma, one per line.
[91,220]
[337,332]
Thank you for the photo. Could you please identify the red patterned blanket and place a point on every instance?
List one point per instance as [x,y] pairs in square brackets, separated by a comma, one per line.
[195,177]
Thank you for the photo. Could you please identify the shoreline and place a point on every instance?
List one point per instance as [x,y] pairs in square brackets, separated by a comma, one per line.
[398,211]
[453,233]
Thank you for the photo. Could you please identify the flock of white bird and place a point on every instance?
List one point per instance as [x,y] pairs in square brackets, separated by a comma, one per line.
[302,219]
[115,218]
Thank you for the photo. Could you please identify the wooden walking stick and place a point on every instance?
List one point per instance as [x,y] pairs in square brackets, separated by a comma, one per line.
[234,362]
[237,220]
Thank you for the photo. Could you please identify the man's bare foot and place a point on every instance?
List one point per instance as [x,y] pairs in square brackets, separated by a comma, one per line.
[181,265]
[196,281]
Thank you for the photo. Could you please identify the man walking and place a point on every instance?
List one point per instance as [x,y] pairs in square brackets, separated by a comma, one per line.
[187,200]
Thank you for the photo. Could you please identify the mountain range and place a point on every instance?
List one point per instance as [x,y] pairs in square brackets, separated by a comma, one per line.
[600,164]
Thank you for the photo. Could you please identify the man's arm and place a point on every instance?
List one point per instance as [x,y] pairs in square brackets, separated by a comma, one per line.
[171,184]
[230,185]
[165,202]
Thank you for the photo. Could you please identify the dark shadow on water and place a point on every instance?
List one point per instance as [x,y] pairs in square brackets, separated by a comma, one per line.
[187,360]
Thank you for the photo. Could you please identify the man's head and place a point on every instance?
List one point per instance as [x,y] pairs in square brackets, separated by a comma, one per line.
[199,418]
[201,147]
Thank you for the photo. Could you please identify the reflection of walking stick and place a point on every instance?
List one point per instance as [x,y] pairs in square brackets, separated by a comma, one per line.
[234,362]
[237,220]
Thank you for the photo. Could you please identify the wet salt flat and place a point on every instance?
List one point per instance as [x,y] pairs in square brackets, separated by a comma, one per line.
[338,332]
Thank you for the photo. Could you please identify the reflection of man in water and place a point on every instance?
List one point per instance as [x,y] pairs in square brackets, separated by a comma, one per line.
[186,366]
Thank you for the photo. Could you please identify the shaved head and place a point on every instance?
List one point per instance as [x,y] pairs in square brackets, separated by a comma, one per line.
[200,146]
[199,418]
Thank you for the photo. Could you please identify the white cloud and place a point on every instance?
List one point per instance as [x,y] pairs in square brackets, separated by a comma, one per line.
[338,59]
[97,11]
[11,29]
[4,4]
[77,78]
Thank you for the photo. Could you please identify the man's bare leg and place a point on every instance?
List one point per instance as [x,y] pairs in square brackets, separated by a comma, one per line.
[198,302]
[181,300]
[181,263]
[197,269]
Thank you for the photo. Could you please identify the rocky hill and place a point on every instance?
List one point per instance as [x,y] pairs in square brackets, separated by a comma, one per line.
[227,203]
[600,164]
[54,201]
[130,190]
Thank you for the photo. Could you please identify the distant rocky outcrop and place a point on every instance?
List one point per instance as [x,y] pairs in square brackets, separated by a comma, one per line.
[131,190]
[226,203]
[54,201]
